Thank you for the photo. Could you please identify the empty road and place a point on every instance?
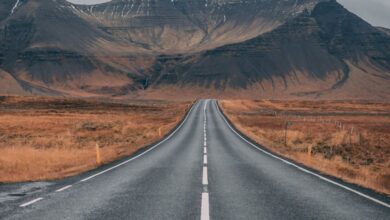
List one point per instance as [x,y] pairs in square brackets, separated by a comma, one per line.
[203,170]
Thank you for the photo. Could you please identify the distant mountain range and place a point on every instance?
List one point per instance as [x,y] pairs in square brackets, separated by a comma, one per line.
[281,49]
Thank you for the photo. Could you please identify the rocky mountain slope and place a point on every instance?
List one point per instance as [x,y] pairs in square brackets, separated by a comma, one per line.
[157,48]
[327,44]
[173,26]
[385,30]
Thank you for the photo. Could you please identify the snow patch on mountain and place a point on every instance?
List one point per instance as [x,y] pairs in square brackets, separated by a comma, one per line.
[15,6]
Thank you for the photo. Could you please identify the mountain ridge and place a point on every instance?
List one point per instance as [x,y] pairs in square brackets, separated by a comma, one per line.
[304,41]
[129,48]
[193,22]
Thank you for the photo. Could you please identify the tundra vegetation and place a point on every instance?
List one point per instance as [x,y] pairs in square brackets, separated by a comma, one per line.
[346,139]
[50,138]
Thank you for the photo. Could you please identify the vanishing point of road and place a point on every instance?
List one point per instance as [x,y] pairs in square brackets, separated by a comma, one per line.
[202,170]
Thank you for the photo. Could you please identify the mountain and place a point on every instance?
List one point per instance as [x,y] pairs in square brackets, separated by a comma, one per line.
[46,46]
[216,48]
[385,30]
[175,26]
[328,45]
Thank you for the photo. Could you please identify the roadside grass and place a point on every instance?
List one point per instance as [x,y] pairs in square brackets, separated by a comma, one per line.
[50,138]
[349,140]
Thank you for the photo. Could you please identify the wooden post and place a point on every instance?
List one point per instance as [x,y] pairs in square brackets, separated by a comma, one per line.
[159,132]
[98,159]
[285,133]
[350,137]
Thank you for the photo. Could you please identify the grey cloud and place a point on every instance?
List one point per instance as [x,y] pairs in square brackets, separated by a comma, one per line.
[376,12]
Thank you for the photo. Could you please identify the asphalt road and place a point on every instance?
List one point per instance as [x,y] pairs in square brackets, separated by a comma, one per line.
[203,170]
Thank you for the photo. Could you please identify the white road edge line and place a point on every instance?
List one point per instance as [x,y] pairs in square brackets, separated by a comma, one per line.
[31,202]
[204,212]
[147,151]
[63,188]
[303,169]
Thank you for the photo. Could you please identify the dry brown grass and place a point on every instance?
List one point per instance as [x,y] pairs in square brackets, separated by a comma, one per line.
[349,140]
[49,138]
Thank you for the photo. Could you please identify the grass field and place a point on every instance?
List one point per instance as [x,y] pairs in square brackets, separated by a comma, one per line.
[49,138]
[349,140]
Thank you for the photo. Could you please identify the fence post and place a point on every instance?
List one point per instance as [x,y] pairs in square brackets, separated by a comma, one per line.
[98,159]
[285,133]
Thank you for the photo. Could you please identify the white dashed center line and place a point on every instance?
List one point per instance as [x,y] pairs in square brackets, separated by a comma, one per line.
[205,215]
[31,202]
[205,179]
[205,210]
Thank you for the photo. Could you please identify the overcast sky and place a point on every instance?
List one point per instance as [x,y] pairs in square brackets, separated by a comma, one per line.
[377,12]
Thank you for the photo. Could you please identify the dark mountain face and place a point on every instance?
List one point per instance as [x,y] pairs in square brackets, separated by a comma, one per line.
[172,26]
[318,43]
[34,29]
[295,46]
[134,46]
[53,41]
[6,9]
[43,42]
[349,37]
[48,23]
[384,30]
